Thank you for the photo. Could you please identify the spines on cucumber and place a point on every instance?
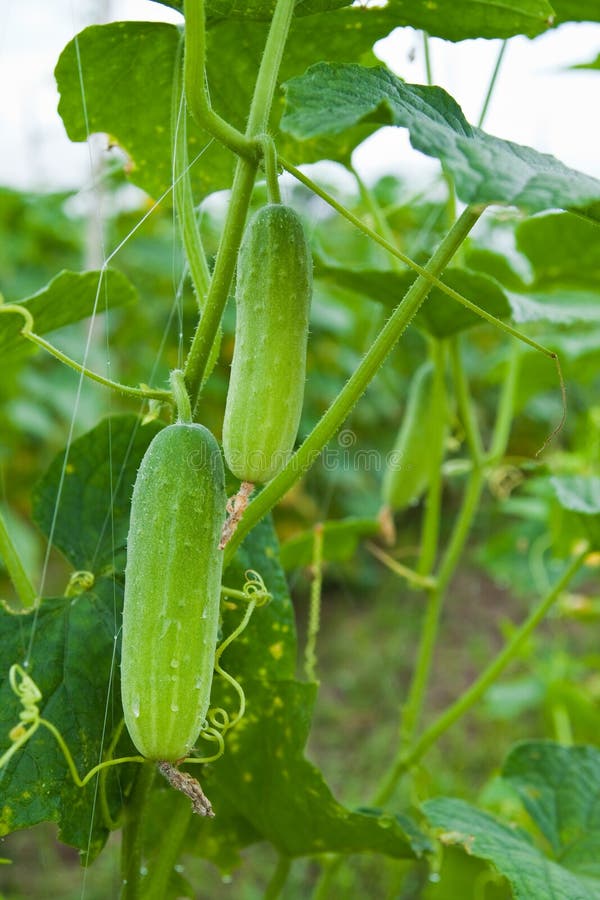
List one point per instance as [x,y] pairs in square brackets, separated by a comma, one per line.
[172,591]
[266,390]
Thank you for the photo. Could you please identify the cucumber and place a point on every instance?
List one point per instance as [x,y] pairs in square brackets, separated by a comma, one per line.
[172,591]
[266,389]
[419,445]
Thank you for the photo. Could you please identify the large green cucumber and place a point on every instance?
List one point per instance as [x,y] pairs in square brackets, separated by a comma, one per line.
[172,591]
[419,445]
[266,390]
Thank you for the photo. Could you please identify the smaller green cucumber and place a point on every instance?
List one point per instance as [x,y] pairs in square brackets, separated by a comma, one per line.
[172,591]
[419,445]
[266,387]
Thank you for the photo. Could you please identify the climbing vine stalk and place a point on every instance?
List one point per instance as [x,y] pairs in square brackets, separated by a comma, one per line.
[356,384]
[199,355]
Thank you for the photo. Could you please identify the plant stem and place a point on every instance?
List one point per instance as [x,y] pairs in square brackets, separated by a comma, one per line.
[184,200]
[196,88]
[492,84]
[356,384]
[488,676]
[420,680]
[266,81]
[270,166]
[198,358]
[431,521]
[278,879]
[196,365]
[168,853]
[426,51]
[466,408]
[419,582]
[181,396]
[421,270]
[506,407]
[314,617]
[15,568]
[378,214]
[133,834]
[139,393]
[330,866]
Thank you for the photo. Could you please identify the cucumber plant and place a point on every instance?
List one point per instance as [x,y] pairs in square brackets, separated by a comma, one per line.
[418,447]
[266,387]
[172,591]
[264,85]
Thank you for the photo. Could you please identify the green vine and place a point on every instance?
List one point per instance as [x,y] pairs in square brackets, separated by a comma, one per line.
[356,384]
[199,355]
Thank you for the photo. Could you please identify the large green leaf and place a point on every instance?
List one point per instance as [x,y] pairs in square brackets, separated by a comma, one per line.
[578,497]
[331,98]
[94,494]
[576,11]
[475,18]
[530,873]
[260,10]
[264,780]
[267,648]
[440,315]
[139,53]
[562,249]
[70,297]
[559,787]
[340,541]
[71,644]
[562,307]
[578,493]
[465,19]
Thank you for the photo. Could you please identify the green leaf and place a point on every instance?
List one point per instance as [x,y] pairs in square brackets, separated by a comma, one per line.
[94,495]
[531,875]
[104,59]
[560,306]
[494,264]
[576,11]
[70,297]
[331,98]
[263,788]
[340,542]
[578,513]
[592,64]
[440,315]
[265,781]
[578,493]
[267,648]
[466,19]
[562,249]
[260,10]
[72,655]
[139,53]
[475,18]
[559,786]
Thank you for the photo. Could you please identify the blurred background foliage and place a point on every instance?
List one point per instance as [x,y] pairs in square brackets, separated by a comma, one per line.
[370,617]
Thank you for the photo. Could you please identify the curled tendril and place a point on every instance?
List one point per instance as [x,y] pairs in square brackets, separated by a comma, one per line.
[25,688]
[219,722]
[255,589]
[79,583]
[30,719]
[20,311]
[214,729]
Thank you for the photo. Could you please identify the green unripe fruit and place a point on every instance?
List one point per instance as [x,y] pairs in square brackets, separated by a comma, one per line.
[419,446]
[172,591]
[266,390]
